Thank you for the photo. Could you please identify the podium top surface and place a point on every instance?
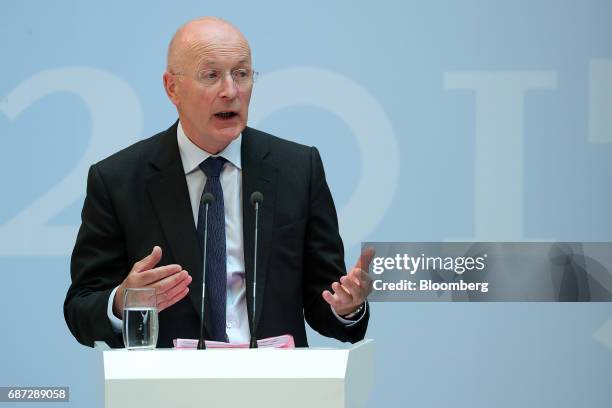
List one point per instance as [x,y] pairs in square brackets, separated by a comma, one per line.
[122,364]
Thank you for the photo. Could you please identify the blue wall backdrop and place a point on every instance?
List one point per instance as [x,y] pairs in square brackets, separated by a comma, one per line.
[436,120]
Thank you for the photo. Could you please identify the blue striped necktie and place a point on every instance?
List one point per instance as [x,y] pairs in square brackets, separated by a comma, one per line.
[216,257]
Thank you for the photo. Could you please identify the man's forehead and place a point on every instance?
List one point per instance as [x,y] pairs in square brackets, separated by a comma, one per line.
[207,54]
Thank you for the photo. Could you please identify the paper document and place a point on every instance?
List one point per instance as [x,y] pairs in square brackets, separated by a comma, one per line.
[285,341]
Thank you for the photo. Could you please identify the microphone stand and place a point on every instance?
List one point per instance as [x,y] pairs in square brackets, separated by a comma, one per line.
[256,198]
[206,200]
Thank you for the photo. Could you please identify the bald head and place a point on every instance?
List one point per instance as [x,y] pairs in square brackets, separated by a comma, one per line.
[197,38]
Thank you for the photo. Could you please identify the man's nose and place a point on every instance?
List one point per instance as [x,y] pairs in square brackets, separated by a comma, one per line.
[229,89]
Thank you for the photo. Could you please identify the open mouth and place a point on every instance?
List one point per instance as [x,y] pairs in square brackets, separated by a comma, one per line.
[226,115]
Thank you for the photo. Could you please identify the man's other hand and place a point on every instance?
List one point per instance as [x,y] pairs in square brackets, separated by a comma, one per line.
[170,282]
[353,288]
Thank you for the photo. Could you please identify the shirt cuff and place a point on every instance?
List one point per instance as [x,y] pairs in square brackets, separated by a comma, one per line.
[355,319]
[114,321]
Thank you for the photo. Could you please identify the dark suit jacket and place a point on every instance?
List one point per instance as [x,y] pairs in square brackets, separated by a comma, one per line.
[138,198]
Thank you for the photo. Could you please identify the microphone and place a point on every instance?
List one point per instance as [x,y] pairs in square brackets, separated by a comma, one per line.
[205,201]
[256,199]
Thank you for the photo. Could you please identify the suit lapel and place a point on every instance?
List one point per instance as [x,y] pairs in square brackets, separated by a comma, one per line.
[257,175]
[170,197]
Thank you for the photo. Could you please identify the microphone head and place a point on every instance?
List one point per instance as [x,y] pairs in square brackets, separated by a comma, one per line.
[207,198]
[256,197]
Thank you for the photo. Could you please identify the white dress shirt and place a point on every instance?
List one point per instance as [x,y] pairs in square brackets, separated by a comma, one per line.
[237,325]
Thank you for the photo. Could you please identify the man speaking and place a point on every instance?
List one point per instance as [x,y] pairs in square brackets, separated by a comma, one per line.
[142,222]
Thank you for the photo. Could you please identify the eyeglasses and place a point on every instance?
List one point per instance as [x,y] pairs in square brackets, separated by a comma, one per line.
[242,77]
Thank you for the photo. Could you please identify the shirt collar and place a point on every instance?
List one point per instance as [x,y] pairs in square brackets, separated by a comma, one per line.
[192,155]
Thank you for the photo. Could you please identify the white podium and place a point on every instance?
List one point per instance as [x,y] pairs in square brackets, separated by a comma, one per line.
[296,378]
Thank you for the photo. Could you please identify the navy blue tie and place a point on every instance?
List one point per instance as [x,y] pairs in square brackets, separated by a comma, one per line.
[216,267]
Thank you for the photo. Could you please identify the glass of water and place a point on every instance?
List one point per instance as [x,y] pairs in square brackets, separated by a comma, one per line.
[140,324]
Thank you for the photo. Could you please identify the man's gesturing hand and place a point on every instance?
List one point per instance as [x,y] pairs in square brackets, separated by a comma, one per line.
[170,281]
[353,288]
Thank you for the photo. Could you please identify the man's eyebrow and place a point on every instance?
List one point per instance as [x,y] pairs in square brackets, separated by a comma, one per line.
[208,62]
[212,62]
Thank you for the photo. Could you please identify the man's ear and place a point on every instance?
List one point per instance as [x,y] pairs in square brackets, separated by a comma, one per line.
[170,85]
